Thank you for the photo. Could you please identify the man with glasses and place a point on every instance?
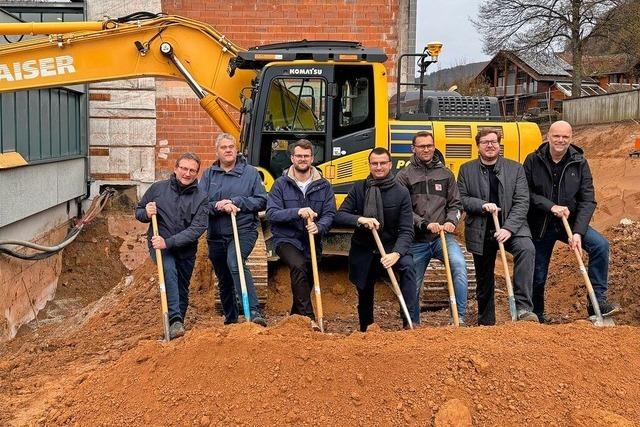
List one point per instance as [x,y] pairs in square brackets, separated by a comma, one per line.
[491,184]
[181,211]
[380,203]
[300,193]
[436,206]
[561,185]
[233,187]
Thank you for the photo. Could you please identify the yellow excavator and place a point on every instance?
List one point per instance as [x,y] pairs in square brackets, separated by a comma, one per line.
[333,93]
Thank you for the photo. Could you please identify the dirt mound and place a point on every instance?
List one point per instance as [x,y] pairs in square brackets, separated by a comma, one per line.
[566,297]
[243,374]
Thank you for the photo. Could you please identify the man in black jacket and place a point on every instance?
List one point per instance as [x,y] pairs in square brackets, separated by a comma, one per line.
[381,203]
[491,184]
[561,185]
[181,210]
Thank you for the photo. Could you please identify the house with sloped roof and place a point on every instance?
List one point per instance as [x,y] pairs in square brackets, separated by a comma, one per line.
[613,72]
[522,81]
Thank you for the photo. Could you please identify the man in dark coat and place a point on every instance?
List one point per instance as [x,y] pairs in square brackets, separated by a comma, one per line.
[491,184]
[181,211]
[561,185]
[380,203]
[300,193]
[233,187]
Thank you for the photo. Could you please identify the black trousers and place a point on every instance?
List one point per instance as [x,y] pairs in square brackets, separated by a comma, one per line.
[523,253]
[301,278]
[405,274]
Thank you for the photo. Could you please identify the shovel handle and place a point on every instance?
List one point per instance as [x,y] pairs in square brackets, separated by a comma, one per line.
[243,281]
[447,267]
[316,277]
[161,285]
[585,275]
[507,276]
[394,283]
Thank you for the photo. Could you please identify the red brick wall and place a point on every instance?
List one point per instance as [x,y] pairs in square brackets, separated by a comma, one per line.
[181,122]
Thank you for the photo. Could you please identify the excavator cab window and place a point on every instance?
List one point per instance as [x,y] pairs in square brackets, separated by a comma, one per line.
[296,108]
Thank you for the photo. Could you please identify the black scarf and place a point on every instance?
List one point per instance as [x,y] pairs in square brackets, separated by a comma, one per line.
[373,197]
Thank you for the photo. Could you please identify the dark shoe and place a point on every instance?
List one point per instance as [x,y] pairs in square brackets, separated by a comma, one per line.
[607,309]
[258,318]
[176,330]
[228,321]
[527,316]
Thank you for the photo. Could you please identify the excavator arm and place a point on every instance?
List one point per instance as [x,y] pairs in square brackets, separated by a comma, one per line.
[165,46]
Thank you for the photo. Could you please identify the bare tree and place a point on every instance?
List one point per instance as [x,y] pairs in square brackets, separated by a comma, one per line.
[540,26]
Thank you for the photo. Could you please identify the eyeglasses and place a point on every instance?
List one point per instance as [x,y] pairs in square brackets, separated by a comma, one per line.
[424,147]
[379,164]
[490,142]
[185,170]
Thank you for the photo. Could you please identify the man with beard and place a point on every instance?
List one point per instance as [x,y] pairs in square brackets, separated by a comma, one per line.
[380,203]
[561,185]
[233,187]
[491,184]
[300,193]
[436,206]
[181,211]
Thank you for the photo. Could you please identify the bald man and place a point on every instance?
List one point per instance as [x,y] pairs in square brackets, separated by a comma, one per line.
[561,185]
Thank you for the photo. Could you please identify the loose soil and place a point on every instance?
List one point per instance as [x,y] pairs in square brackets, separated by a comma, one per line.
[98,359]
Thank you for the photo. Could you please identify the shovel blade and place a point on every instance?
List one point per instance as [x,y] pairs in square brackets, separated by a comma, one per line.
[602,322]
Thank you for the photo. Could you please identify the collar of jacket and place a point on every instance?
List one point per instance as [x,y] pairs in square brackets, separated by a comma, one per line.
[173,182]
[576,154]
[497,165]
[315,174]
[238,168]
[436,162]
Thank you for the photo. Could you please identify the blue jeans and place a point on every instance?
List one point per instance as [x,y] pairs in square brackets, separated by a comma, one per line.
[222,253]
[598,270]
[177,274]
[423,252]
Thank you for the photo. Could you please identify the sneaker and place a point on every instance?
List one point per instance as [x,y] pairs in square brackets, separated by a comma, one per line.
[527,316]
[607,309]
[258,318]
[176,330]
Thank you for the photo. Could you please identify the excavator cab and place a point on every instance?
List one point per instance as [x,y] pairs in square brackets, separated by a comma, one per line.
[325,94]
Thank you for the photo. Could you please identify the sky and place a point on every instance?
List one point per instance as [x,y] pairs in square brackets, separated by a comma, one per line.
[447,21]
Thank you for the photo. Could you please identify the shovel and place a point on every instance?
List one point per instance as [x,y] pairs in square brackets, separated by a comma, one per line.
[507,276]
[316,278]
[447,268]
[163,289]
[243,282]
[394,282]
[597,319]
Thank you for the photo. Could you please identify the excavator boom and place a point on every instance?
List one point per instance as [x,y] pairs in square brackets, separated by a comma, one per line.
[167,46]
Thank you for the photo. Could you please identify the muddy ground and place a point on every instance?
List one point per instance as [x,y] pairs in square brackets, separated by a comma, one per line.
[94,358]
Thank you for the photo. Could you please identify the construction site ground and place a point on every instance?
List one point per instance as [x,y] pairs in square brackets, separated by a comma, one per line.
[94,356]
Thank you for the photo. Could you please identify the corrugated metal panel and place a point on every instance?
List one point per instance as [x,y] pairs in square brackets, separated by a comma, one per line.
[44,124]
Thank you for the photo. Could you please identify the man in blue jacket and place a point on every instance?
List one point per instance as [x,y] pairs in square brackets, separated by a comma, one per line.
[561,185]
[300,193]
[181,211]
[233,186]
[380,203]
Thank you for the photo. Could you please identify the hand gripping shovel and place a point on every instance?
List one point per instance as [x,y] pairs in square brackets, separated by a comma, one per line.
[243,282]
[392,276]
[599,320]
[507,276]
[163,289]
[316,278]
[447,267]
